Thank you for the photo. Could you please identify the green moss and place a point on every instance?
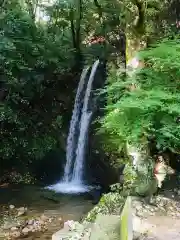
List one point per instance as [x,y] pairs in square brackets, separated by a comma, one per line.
[139,181]
[110,203]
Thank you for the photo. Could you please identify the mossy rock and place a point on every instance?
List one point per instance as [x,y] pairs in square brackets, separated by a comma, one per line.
[146,188]
[139,181]
[110,203]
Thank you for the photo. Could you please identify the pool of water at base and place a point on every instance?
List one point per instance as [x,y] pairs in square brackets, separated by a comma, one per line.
[42,201]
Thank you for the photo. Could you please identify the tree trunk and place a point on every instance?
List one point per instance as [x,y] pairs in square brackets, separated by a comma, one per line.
[75,22]
[78,32]
[73,32]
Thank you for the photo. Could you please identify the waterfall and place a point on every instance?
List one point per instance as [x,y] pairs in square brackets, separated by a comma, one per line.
[71,140]
[84,127]
[77,140]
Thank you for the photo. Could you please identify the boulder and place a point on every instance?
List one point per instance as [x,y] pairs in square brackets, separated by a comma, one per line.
[110,204]
[106,227]
[62,234]
[15,234]
[14,229]
[21,211]
[9,224]
[25,231]
[44,218]
[73,230]
[11,207]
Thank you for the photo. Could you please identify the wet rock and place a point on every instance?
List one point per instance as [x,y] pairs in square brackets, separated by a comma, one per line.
[69,225]
[16,225]
[21,223]
[15,234]
[6,234]
[30,222]
[14,229]
[31,228]
[11,207]
[12,235]
[9,224]
[25,231]
[60,219]
[44,218]
[171,208]
[21,211]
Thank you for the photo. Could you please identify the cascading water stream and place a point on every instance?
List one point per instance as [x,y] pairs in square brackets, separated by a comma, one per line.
[75,152]
[71,140]
[84,127]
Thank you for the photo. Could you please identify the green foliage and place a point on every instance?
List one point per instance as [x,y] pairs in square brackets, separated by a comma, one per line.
[17,178]
[31,60]
[151,110]
[39,57]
